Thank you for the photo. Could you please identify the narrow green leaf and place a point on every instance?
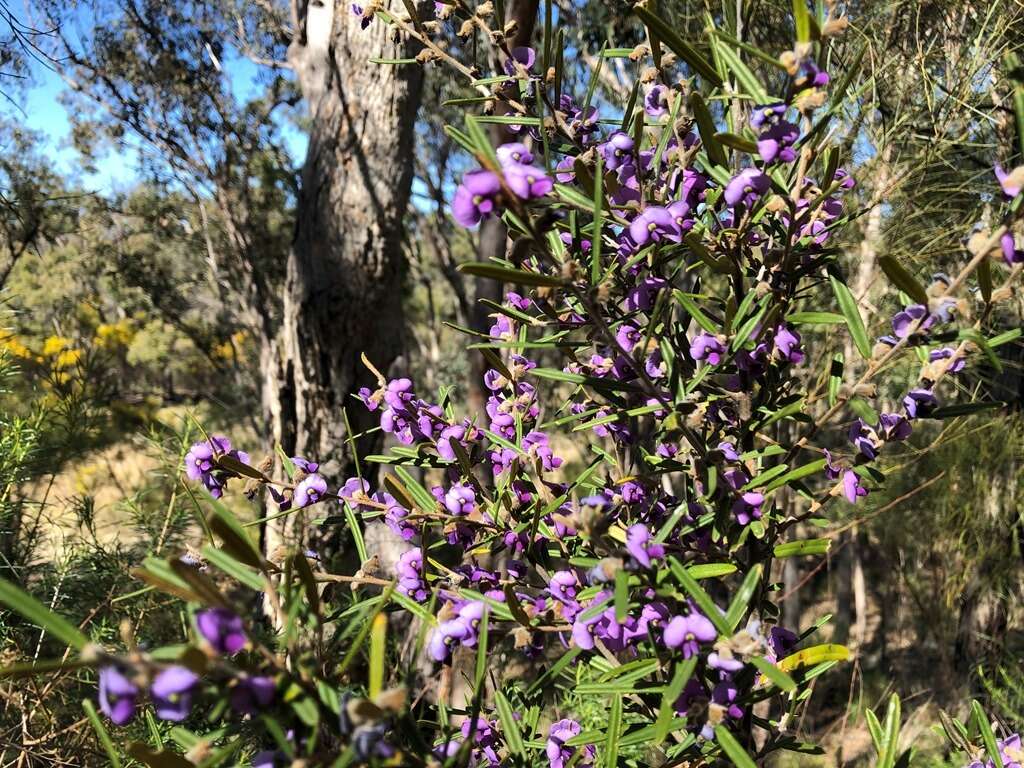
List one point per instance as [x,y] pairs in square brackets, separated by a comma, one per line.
[738,606]
[621,595]
[854,322]
[611,741]
[802,20]
[695,312]
[796,474]
[706,128]
[777,676]
[803,547]
[666,712]
[747,79]
[987,737]
[378,638]
[902,279]
[703,600]
[101,732]
[28,607]
[232,567]
[506,275]
[815,318]
[736,142]
[731,747]
[509,724]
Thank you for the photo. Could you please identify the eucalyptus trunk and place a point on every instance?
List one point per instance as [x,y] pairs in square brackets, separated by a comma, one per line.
[343,296]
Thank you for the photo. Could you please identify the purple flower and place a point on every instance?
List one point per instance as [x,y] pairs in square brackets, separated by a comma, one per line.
[1010,182]
[893,427]
[309,491]
[728,451]
[564,586]
[777,142]
[654,224]
[1011,253]
[515,153]
[309,467]
[617,151]
[364,18]
[707,347]
[920,403]
[864,438]
[222,629]
[527,182]
[560,755]
[640,546]
[852,486]
[787,345]
[746,187]
[748,507]
[252,693]
[537,447]
[522,55]
[656,101]
[476,197]
[172,692]
[903,321]
[689,631]
[444,637]
[410,575]
[201,466]
[767,114]
[810,75]
[118,696]
[460,500]
[947,353]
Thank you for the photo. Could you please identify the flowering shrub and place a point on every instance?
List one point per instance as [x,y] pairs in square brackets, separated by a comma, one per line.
[673,266]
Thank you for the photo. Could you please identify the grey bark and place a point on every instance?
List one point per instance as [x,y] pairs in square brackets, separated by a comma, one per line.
[343,295]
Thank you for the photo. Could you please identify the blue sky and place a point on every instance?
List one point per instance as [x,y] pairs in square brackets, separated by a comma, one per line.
[115,170]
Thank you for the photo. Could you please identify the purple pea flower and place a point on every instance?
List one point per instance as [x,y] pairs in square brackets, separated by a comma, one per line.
[893,427]
[527,181]
[522,55]
[947,353]
[617,151]
[656,101]
[309,491]
[1011,253]
[560,755]
[810,75]
[654,224]
[445,637]
[767,114]
[920,403]
[688,632]
[515,153]
[410,575]
[777,142]
[853,488]
[903,321]
[707,347]
[728,451]
[252,693]
[1010,182]
[222,629]
[864,438]
[172,693]
[640,546]
[564,586]
[787,345]
[118,696]
[748,507]
[746,187]
[476,197]
[307,466]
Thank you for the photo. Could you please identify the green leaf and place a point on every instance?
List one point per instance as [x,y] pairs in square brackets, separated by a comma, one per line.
[973,335]
[732,748]
[695,312]
[736,142]
[44,667]
[964,409]
[28,607]
[101,732]
[802,20]
[777,676]
[747,79]
[803,547]
[509,725]
[666,712]
[891,734]
[232,567]
[815,318]
[621,595]
[738,606]
[161,759]
[985,280]
[710,570]
[987,737]
[854,322]
[703,600]
[378,639]
[234,538]
[796,474]
[706,128]
[611,741]
[902,279]
[875,729]
[506,275]
[661,29]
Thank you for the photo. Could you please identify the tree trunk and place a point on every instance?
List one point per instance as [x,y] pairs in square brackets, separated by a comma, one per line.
[342,296]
